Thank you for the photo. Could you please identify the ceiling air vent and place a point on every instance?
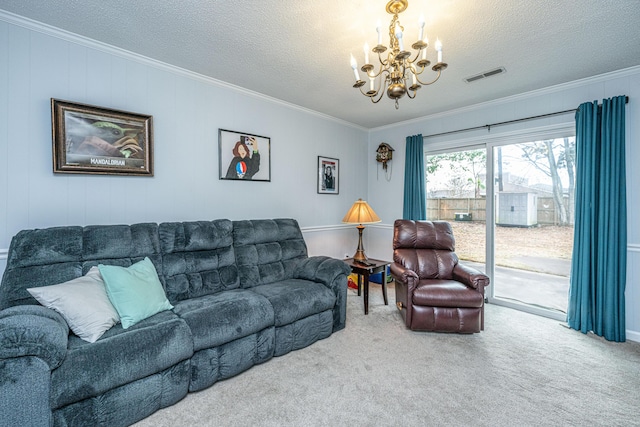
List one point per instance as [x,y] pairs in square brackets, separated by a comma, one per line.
[495,72]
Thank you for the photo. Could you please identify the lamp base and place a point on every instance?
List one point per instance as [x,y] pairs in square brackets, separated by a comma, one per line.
[359,256]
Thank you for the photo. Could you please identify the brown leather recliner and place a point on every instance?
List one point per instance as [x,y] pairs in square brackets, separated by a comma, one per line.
[433,291]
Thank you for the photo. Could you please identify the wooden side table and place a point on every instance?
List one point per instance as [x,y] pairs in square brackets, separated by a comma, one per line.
[364,271]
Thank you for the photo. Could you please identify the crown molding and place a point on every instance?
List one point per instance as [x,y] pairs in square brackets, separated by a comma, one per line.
[68,36]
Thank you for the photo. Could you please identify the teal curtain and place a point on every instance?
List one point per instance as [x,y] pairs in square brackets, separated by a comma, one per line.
[599,263]
[415,204]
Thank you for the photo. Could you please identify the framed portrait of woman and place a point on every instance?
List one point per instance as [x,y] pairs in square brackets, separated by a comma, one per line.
[243,156]
[328,175]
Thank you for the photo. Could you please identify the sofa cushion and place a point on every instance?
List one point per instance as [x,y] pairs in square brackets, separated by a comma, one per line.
[135,291]
[45,246]
[198,258]
[267,251]
[50,256]
[120,357]
[104,242]
[226,316]
[295,299]
[40,257]
[83,302]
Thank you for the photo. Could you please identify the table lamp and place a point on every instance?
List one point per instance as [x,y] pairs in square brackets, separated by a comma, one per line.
[360,213]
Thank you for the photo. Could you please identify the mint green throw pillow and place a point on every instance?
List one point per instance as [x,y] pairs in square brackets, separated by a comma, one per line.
[135,291]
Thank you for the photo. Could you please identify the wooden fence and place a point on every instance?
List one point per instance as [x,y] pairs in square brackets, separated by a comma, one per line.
[446,208]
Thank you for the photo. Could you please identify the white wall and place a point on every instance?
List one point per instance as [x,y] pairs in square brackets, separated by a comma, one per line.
[38,63]
[386,197]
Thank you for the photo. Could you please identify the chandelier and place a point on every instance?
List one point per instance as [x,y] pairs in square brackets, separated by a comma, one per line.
[397,68]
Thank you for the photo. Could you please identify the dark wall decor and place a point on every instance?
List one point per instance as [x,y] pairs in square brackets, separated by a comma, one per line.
[243,156]
[328,175]
[95,140]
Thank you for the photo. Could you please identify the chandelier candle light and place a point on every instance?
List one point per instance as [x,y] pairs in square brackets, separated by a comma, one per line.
[396,69]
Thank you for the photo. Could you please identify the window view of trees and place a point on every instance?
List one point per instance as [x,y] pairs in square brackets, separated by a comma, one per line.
[554,157]
[461,174]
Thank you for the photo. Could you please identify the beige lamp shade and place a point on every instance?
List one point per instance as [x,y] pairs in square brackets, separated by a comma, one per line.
[361,213]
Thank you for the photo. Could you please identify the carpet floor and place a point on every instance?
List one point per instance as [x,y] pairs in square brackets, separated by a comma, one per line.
[522,370]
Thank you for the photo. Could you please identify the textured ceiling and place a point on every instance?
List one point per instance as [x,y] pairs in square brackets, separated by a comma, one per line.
[299,51]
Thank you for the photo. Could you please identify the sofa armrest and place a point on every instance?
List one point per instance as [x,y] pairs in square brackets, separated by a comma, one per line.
[470,277]
[33,342]
[322,269]
[33,330]
[332,273]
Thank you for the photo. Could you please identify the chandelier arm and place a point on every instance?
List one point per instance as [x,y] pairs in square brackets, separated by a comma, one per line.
[375,76]
[376,91]
[431,82]
[380,82]
[384,62]
[361,91]
[375,101]
[414,60]
[381,88]
[421,68]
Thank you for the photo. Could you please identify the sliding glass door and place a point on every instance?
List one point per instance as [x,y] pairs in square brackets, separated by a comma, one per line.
[533,223]
[517,224]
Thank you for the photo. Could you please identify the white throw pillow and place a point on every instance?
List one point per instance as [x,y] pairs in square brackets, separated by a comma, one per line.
[83,302]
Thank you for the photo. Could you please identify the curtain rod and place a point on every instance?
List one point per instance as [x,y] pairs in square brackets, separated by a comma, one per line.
[488,127]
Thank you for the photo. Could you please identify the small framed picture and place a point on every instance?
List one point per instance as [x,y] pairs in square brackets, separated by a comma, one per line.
[243,156]
[95,140]
[328,175]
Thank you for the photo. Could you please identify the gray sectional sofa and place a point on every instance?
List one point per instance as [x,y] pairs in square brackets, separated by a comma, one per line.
[242,292]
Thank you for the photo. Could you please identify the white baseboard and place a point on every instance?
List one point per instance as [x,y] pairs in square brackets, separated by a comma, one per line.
[632,335]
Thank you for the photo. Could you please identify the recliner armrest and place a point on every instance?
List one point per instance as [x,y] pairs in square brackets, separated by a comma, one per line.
[470,276]
[403,275]
[33,330]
